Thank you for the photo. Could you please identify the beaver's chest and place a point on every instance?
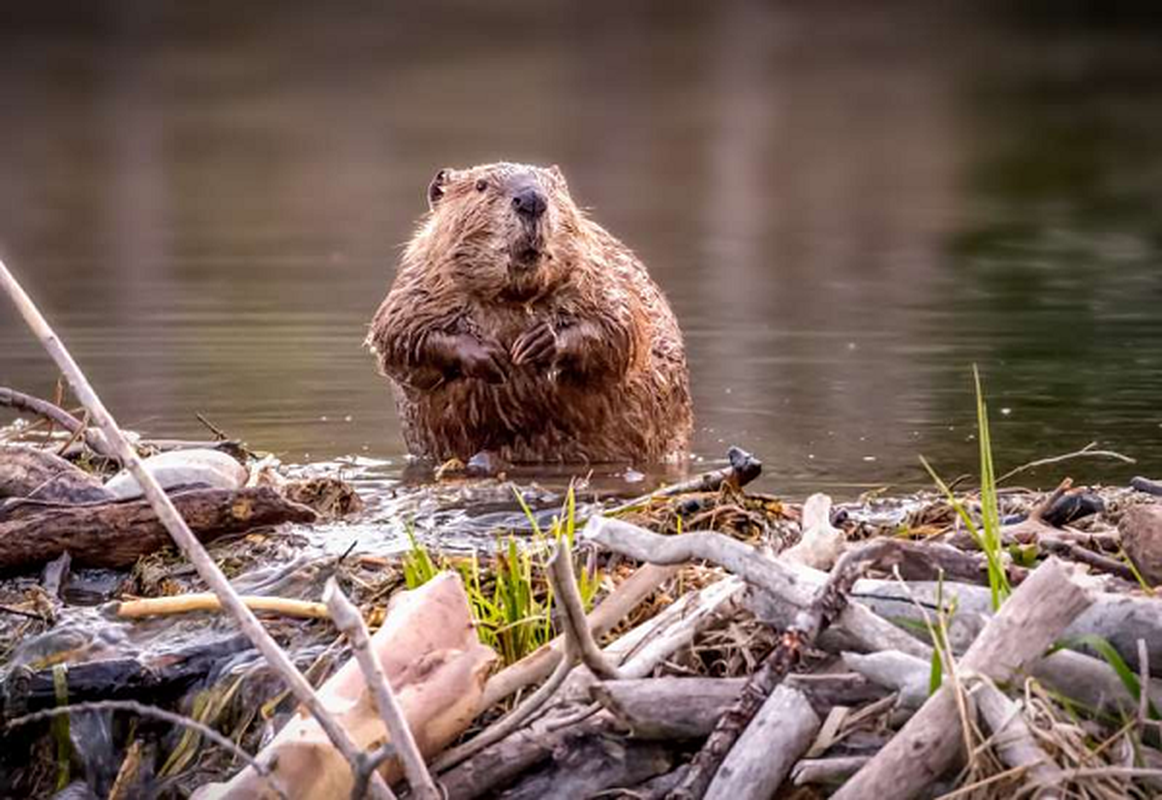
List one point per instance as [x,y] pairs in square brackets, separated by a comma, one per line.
[505,323]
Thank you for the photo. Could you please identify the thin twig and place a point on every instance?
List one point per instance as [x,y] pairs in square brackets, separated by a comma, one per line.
[348,620]
[143,710]
[743,469]
[167,513]
[43,408]
[214,429]
[1085,452]
[576,627]
[77,434]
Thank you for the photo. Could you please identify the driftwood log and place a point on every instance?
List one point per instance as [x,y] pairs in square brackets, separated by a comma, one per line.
[1083,679]
[31,472]
[1122,619]
[117,534]
[1029,621]
[773,741]
[689,708]
[502,763]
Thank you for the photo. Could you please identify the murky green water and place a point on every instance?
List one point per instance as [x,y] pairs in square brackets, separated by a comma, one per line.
[846,211]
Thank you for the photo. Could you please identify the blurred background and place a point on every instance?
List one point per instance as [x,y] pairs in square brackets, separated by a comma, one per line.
[847,205]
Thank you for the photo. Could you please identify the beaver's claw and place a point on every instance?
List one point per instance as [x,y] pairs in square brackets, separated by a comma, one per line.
[538,345]
[486,361]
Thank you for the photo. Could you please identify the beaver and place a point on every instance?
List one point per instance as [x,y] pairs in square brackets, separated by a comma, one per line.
[519,327]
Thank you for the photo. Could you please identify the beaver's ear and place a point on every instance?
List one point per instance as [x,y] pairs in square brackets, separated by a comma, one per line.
[560,176]
[436,187]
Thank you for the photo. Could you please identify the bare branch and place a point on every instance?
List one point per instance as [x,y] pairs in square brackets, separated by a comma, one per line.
[348,620]
[182,536]
[54,413]
[573,613]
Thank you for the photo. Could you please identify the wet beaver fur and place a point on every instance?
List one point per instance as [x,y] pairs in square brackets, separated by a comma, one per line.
[518,326]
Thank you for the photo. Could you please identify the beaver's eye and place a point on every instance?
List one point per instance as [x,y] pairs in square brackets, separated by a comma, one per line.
[481,185]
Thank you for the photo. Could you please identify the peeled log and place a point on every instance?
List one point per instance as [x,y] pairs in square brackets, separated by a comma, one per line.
[436,667]
[117,534]
[1028,622]
[772,743]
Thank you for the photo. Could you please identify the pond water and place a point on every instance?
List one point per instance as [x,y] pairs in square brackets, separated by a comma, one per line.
[847,210]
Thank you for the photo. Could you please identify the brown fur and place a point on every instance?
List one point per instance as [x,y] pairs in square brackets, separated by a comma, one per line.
[475,289]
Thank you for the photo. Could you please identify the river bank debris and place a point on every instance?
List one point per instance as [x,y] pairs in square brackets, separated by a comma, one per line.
[703,641]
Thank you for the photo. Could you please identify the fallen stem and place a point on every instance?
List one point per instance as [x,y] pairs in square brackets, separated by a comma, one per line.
[52,412]
[208,601]
[1086,452]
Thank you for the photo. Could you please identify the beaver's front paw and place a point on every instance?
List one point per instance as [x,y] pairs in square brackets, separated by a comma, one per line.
[537,345]
[486,361]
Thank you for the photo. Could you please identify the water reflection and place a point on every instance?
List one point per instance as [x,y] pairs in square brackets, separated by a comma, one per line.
[846,212]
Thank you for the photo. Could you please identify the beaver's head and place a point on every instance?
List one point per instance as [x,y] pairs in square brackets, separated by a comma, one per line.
[500,230]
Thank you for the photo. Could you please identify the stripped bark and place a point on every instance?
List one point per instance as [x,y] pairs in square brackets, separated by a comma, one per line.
[1014,743]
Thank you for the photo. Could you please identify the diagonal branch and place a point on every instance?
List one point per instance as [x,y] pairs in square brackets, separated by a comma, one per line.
[185,540]
[573,614]
[348,620]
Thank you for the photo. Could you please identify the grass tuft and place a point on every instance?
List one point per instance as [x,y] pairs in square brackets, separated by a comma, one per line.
[988,533]
[511,599]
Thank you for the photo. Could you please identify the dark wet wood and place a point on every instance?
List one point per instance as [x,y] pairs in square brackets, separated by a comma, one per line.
[31,472]
[148,679]
[594,765]
[117,534]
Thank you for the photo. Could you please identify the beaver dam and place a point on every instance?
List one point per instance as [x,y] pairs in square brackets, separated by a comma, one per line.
[702,640]
[699,641]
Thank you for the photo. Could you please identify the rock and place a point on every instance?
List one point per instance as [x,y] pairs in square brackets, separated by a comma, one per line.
[202,468]
[1072,507]
[1141,530]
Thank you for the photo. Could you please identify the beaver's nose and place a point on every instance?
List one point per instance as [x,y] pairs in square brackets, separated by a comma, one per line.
[529,203]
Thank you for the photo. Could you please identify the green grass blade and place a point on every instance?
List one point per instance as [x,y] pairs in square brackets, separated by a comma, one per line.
[1112,657]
